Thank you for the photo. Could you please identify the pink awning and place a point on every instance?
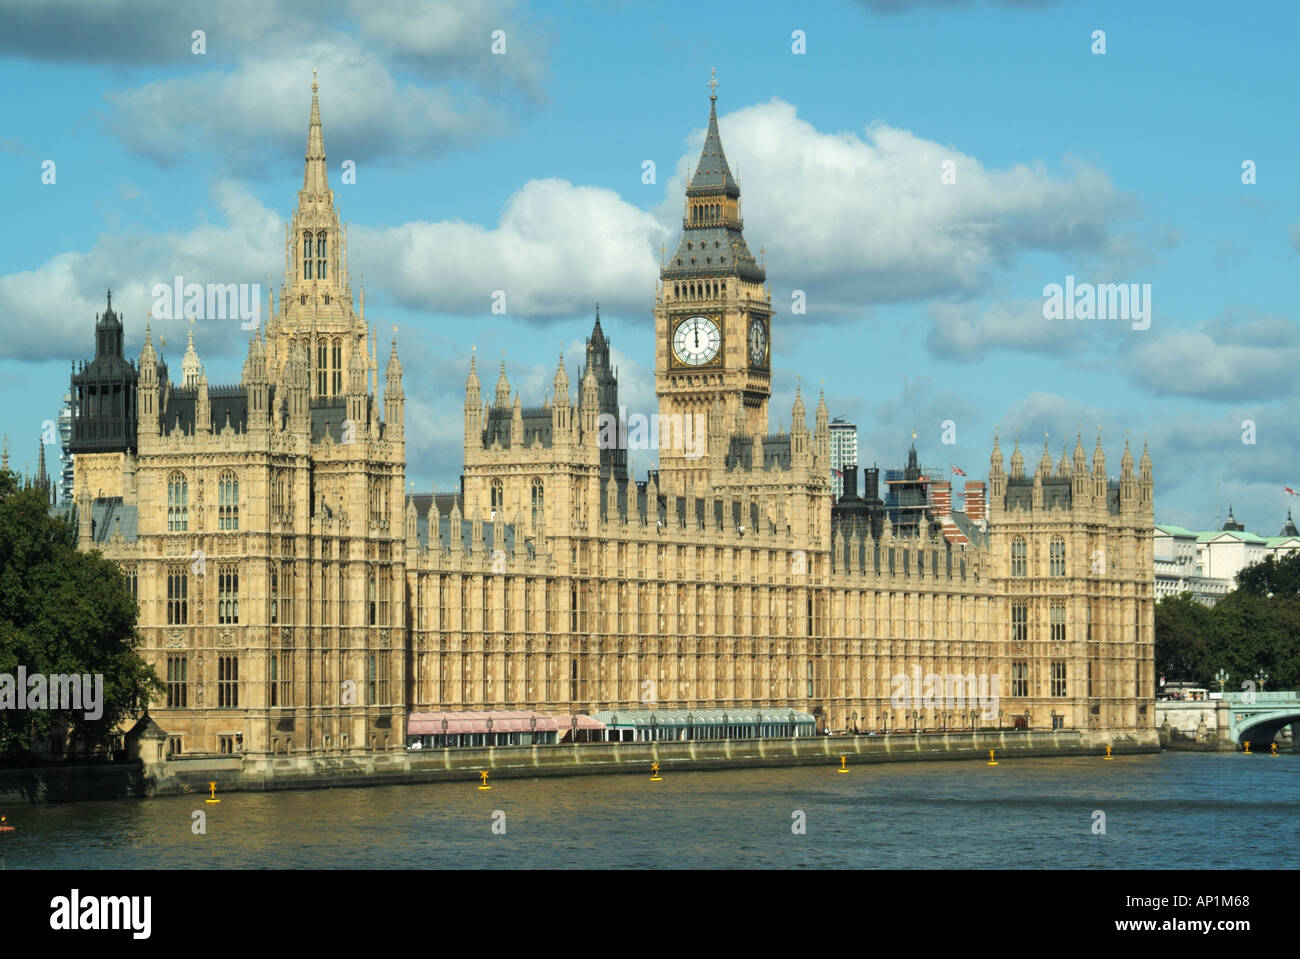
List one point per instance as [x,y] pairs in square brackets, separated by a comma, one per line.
[584,722]
[469,721]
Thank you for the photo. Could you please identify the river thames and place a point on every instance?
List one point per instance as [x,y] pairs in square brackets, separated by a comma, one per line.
[1173,810]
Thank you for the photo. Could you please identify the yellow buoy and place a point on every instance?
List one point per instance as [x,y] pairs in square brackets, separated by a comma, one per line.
[1272,748]
[1108,755]
[213,797]
[654,773]
[843,768]
[1248,747]
[484,774]
[992,761]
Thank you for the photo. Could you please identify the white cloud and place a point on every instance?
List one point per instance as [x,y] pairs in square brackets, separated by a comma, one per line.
[1222,359]
[962,331]
[856,219]
[58,300]
[556,249]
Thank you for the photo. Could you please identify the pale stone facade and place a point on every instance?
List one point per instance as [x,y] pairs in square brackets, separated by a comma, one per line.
[553,580]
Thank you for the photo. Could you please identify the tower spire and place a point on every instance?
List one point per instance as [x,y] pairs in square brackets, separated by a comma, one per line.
[315,177]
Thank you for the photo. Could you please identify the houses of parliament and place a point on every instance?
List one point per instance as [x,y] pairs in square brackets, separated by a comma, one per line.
[297,599]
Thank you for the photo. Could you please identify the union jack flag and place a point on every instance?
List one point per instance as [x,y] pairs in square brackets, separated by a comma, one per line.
[1291,491]
[958,471]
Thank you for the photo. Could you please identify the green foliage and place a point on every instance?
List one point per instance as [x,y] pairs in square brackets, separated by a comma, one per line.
[64,611]
[1253,628]
[1271,578]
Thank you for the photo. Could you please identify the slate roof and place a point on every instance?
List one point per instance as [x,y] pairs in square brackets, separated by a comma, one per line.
[776,450]
[713,174]
[182,404]
[536,422]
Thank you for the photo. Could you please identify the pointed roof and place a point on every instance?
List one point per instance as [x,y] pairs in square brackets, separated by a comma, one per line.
[394,367]
[714,246]
[503,385]
[561,383]
[472,380]
[315,176]
[108,318]
[1289,528]
[1232,523]
[597,334]
[712,173]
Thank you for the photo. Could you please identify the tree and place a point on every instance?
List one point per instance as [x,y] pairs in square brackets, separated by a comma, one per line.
[1184,638]
[1271,577]
[65,612]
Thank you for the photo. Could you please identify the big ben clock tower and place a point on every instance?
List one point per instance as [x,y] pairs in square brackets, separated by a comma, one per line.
[713,319]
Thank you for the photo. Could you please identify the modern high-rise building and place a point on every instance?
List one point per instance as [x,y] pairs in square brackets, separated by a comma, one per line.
[844,452]
[297,600]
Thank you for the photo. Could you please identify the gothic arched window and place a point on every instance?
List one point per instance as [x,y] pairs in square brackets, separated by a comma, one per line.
[1057,556]
[320,255]
[228,501]
[1019,564]
[337,366]
[538,500]
[306,255]
[178,499]
[322,371]
[498,495]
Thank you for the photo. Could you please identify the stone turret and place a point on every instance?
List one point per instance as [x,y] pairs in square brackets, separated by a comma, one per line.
[503,388]
[473,404]
[394,397]
[1128,487]
[997,478]
[149,396]
[1145,482]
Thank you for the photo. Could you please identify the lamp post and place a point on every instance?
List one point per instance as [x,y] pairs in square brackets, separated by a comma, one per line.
[1221,677]
[916,718]
[444,732]
[726,730]
[855,723]
[489,732]
[613,725]
[999,719]
[1053,718]
[1261,677]
[654,727]
[573,736]
[1026,718]
[690,725]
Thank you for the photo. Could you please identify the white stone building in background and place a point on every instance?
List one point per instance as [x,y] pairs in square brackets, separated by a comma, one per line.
[1206,564]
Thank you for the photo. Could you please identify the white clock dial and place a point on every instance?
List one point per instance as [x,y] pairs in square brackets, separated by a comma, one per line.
[696,340]
[757,343]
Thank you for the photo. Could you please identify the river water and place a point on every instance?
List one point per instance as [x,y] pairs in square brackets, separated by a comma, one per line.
[1174,810]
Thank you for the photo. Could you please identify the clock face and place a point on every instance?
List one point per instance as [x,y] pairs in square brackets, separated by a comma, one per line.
[757,343]
[697,340]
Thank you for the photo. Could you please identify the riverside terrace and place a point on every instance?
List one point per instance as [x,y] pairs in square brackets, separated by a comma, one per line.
[436,730]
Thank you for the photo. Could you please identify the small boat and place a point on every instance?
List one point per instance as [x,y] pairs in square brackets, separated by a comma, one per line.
[6,828]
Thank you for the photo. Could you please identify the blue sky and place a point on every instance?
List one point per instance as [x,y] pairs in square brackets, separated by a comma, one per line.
[523,171]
